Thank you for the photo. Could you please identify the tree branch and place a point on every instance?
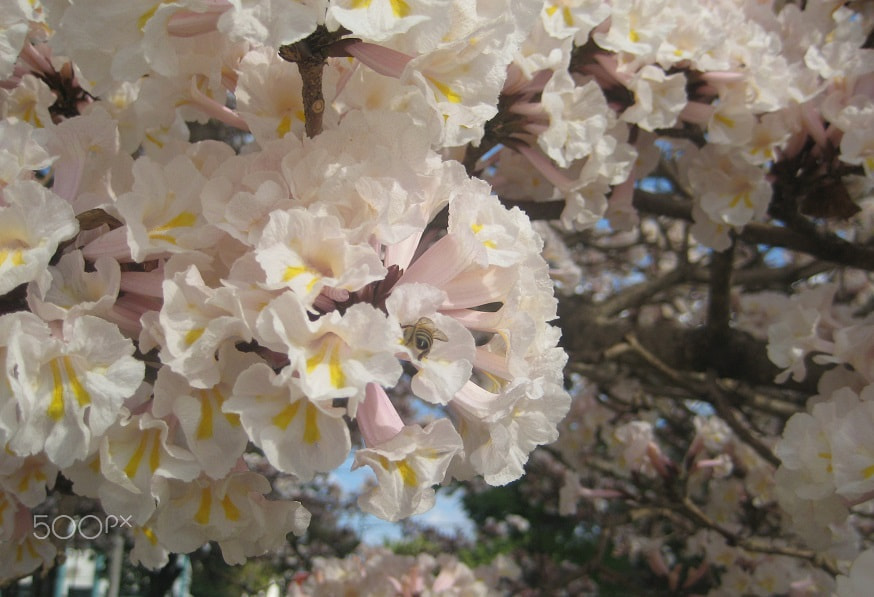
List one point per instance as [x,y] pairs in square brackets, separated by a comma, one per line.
[818,244]
[717,400]
[756,544]
[636,295]
[309,54]
[719,295]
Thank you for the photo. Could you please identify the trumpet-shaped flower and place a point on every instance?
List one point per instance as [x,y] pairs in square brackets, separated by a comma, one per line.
[20,154]
[577,18]
[501,429]
[337,355]
[194,322]
[461,80]
[271,23]
[28,479]
[33,220]
[380,20]
[69,388]
[163,210]
[578,117]
[14,26]
[407,467]
[75,291]
[231,511]
[147,551]
[297,435]
[659,98]
[268,95]
[732,190]
[23,552]
[137,456]
[499,237]
[306,253]
[215,437]
[852,449]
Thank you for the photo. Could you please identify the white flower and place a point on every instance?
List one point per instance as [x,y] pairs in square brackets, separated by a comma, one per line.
[732,191]
[24,552]
[337,355]
[29,103]
[853,450]
[137,457]
[268,95]
[445,366]
[162,211]
[298,435]
[380,20]
[501,429]
[28,479]
[214,436]
[637,27]
[860,579]
[147,551]
[231,511]
[305,253]
[75,291]
[33,220]
[194,321]
[14,26]
[658,98]
[20,154]
[577,18]
[407,466]
[800,330]
[578,118]
[270,23]
[69,388]
[496,236]
[461,80]
[635,438]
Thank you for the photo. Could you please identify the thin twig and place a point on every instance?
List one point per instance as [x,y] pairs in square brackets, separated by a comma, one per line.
[739,428]
[756,544]
[717,400]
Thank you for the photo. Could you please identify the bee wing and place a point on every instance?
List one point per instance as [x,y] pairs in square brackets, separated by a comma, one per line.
[438,335]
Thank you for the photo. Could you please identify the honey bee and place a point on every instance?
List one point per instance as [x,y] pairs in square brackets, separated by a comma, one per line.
[420,336]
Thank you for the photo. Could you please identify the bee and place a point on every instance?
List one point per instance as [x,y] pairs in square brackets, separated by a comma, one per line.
[420,336]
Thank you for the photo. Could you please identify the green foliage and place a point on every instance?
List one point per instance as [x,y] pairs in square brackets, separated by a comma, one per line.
[211,577]
[553,550]
[549,533]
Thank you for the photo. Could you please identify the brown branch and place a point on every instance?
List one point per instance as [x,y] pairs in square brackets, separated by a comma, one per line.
[756,544]
[309,54]
[719,295]
[537,210]
[765,276]
[827,247]
[636,295]
[727,414]
[717,399]
[313,99]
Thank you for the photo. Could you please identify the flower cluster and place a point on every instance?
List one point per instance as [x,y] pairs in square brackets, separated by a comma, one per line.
[182,303]
[826,476]
[378,571]
[346,240]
